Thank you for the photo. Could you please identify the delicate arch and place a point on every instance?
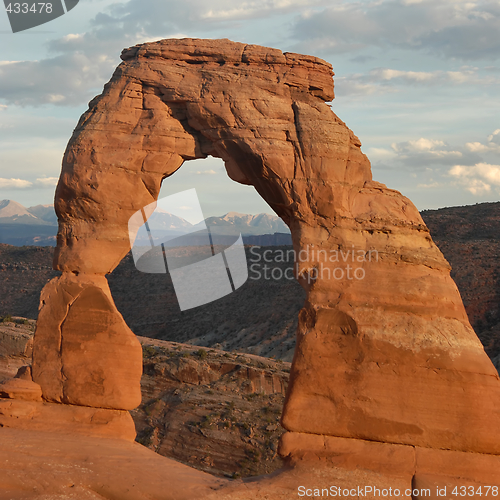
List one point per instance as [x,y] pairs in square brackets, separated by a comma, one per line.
[389,357]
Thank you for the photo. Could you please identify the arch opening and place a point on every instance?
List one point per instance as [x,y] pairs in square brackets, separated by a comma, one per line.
[249,318]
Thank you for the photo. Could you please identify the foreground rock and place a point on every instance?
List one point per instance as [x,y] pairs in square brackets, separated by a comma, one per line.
[215,411]
[84,353]
[49,466]
[68,466]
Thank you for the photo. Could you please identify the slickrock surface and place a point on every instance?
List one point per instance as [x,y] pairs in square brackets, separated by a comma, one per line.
[178,396]
[17,388]
[64,466]
[385,351]
[19,413]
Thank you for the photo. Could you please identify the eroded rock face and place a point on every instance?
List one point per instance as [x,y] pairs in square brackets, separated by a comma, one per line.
[84,353]
[176,100]
[385,350]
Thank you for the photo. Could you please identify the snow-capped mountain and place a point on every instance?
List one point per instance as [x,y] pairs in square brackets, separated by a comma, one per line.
[12,212]
[246,224]
[164,221]
[28,226]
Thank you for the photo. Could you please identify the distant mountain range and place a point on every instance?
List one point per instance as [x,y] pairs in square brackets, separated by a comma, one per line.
[246,224]
[12,212]
[37,225]
[27,226]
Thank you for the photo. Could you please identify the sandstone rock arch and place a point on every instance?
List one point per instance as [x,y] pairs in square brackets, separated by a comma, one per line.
[389,357]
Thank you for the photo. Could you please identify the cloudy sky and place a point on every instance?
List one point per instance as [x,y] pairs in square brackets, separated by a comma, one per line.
[416,80]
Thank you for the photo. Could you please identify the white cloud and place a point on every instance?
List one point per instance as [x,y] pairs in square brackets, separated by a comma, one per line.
[478,187]
[350,85]
[431,185]
[161,18]
[379,153]
[383,80]
[478,179]
[40,183]
[206,172]
[15,184]
[491,146]
[495,136]
[250,9]
[474,166]
[83,62]
[424,152]
[68,79]
[391,74]
[54,98]
[476,147]
[46,182]
[216,11]
[455,29]
[421,144]
[72,36]
[430,156]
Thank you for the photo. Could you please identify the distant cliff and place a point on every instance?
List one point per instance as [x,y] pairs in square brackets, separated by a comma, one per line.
[469,238]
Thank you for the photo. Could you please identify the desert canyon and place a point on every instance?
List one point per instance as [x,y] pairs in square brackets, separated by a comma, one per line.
[389,385]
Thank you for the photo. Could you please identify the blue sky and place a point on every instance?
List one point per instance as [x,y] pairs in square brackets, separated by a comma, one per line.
[417,82]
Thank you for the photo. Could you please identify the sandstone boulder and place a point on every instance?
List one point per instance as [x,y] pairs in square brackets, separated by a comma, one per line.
[84,353]
[18,388]
[24,373]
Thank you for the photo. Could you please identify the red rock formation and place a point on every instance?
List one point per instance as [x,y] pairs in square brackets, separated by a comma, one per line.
[184,99]
[386,354]
[385,350]
[17,388]
[18,413]
[84,353]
